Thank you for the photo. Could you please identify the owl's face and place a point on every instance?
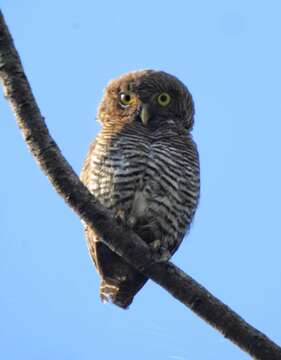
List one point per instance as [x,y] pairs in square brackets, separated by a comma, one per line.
[152,98]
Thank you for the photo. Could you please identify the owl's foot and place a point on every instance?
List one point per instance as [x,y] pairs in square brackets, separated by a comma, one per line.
[155,245]
[120,216]
[148,232]
[131,221]
[159,252]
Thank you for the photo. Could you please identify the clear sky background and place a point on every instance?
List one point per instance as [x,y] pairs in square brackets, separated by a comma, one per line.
[228,53]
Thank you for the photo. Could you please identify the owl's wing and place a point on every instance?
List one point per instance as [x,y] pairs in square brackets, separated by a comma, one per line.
[85,172]
[85,178]
[120,281]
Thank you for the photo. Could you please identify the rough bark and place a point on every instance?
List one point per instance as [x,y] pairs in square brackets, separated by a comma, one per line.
[121,240]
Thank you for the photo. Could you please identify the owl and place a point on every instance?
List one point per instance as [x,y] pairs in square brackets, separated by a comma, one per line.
[144,167]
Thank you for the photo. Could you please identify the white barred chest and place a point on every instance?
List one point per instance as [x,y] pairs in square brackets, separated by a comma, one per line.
[152,180]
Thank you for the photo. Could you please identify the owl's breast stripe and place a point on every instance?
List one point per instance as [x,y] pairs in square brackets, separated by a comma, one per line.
[160,172]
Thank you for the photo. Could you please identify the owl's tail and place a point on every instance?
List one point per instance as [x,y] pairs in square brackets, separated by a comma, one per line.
[111,293]
[119,281]
[118,293]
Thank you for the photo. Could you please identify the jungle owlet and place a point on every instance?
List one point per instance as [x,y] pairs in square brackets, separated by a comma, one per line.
[144,167]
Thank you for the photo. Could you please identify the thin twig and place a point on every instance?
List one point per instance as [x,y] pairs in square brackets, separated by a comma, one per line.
[128,245]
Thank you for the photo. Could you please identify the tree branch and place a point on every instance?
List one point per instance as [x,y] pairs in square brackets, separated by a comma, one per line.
[127,244]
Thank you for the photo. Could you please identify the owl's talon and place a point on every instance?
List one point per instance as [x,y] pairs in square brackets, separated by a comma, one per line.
[161,257]
[165,256]
[159,252]
[131,221]
[155,245]
[120,216]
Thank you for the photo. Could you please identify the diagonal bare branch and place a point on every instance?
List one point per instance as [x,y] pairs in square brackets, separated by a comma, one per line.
[123,241]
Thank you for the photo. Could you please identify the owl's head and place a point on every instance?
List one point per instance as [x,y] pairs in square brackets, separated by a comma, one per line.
[152,98]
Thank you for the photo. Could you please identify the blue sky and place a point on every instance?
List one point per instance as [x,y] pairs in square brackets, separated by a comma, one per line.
[228,54]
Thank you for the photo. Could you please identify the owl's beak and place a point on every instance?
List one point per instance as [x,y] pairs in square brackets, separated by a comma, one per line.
[145,114]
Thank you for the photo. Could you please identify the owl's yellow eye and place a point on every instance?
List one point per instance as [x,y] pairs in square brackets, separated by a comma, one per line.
[127,99]
[164,99]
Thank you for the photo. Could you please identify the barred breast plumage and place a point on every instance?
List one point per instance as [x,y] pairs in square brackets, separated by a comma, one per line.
[144,167]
